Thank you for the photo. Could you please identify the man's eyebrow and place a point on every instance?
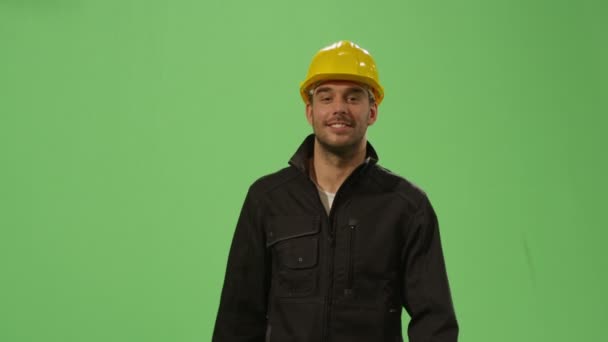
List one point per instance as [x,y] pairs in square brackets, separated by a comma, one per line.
[355,90]
[322,90]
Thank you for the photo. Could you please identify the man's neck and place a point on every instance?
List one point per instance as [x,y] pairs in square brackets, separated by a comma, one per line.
[330,170]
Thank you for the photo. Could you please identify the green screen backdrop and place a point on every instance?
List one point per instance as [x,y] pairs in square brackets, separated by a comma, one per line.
[130,131]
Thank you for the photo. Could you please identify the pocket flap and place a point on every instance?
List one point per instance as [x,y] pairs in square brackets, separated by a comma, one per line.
[298,253]
[280,228]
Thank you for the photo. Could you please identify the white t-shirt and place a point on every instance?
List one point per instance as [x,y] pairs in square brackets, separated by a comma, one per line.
[327,198]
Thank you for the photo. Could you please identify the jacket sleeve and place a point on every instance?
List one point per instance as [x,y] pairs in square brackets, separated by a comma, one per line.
[426,292]
[242,310]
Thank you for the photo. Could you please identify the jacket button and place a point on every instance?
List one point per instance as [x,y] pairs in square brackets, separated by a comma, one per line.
[300,259]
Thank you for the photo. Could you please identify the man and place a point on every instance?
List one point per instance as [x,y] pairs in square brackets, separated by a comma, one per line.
[333,246]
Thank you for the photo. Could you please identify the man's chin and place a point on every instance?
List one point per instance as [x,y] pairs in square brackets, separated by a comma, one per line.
[338,146]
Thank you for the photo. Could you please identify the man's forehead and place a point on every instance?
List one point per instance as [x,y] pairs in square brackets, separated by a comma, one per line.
[337,85]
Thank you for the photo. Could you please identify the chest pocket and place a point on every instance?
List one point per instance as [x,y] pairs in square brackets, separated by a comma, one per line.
[294,243]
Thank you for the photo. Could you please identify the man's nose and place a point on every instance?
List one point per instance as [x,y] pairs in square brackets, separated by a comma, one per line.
[339,106]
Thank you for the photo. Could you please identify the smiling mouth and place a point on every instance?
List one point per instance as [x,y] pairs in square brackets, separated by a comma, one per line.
[339,125]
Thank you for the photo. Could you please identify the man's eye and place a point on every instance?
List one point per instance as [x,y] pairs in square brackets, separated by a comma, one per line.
[353,98]
[325,99]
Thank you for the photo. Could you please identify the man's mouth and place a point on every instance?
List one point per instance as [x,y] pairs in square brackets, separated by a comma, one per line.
[338,124]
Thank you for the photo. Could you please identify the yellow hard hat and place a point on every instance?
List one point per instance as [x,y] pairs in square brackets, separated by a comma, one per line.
[343,60]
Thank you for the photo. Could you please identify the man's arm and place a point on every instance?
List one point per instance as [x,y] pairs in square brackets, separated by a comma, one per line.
[426,292]
[242,311]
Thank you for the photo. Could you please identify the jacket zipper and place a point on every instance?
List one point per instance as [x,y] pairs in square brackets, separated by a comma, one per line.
[328,217]
[350,269]
[332,244]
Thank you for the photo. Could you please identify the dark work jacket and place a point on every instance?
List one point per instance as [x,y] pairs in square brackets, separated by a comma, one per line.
[296,274]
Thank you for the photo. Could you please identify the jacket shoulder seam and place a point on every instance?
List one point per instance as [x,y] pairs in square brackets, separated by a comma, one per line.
[270,182]
[402,187]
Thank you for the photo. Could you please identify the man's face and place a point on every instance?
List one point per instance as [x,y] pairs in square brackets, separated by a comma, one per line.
[340,113]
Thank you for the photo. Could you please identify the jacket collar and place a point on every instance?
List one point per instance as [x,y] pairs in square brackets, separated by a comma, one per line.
[300,159]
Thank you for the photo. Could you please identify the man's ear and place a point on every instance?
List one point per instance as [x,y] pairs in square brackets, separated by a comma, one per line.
[309,113]
[373,114]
